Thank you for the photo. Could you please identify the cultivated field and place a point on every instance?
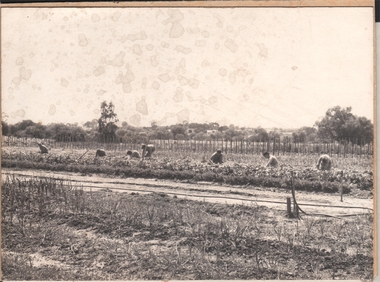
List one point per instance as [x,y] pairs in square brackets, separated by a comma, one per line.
[53,230]
[59,229]
[238,169]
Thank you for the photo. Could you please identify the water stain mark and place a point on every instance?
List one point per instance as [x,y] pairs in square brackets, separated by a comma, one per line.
[200,43]
[183,49]
[137,49]
[137,36]
[193,82]
[194,30]
[118,61]
[52,110]
[178,96]
[153,61]
[82,40]
[144,81]
[100,92]
[222,72]
[205,34]
[231,45]
[220,20]
[135,119]
[18,113]
[164,77]
[19,61]
[99,71]
[64,82]
[183,115]
[182,80]
[16,80]
[149,47]
[155,85]
[205,63]
[176,30]
[25,74]
[115,16]
[165,45]
[263,50]
[232,77]
[142,106]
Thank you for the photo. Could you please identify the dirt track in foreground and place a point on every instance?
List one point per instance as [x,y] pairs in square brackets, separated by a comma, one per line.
[269,197]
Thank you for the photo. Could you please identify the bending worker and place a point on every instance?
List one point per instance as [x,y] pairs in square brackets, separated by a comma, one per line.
[217,157]
[273,162]
[149,149]
[324,162]
[133,154]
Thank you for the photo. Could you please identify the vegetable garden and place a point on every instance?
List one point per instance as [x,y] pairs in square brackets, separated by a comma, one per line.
[348,173]
[54,230]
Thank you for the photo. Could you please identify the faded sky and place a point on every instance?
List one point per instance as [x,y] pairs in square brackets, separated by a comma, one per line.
[269,67]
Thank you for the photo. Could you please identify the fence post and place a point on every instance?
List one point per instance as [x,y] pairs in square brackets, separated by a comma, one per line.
[341,188]
[289,207]
[295,205]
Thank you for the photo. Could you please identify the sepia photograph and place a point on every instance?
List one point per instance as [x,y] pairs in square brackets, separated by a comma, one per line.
[192,141]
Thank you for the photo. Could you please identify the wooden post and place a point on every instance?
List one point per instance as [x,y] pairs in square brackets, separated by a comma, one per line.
[143,153]
[289,207]
[341,188]
[295,206]
[258,146]
[295,210]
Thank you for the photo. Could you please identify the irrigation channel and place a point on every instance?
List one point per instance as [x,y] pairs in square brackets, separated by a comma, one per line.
[311,203]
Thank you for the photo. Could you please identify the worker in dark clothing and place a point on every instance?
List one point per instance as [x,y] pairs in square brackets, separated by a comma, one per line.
[100,153]
[324,162]
[133,154]
[217,157]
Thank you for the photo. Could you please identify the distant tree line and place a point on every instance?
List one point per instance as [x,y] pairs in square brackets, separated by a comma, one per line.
[339,124]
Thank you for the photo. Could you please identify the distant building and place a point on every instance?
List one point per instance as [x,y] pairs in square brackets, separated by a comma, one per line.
[209,132]
[190,130]
[288,132]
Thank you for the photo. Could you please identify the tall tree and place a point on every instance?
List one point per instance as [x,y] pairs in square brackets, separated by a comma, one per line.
[178,129]
[340,124]
[107,121]
[304,134]
[4,124]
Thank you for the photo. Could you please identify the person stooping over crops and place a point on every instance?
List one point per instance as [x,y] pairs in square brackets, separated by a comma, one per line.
[273,162]
[43,148]
[217,157]
[149,149]
[133,154]
[324,162]
[100,153]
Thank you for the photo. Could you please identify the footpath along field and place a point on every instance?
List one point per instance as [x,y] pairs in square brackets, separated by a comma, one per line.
[59,229]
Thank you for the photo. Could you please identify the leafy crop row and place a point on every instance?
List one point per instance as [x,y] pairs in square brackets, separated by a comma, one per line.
[190,168]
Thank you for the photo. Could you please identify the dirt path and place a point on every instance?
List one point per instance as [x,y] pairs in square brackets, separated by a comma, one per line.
[313,203]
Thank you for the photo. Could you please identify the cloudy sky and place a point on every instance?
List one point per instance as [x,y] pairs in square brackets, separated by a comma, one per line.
[269,67]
